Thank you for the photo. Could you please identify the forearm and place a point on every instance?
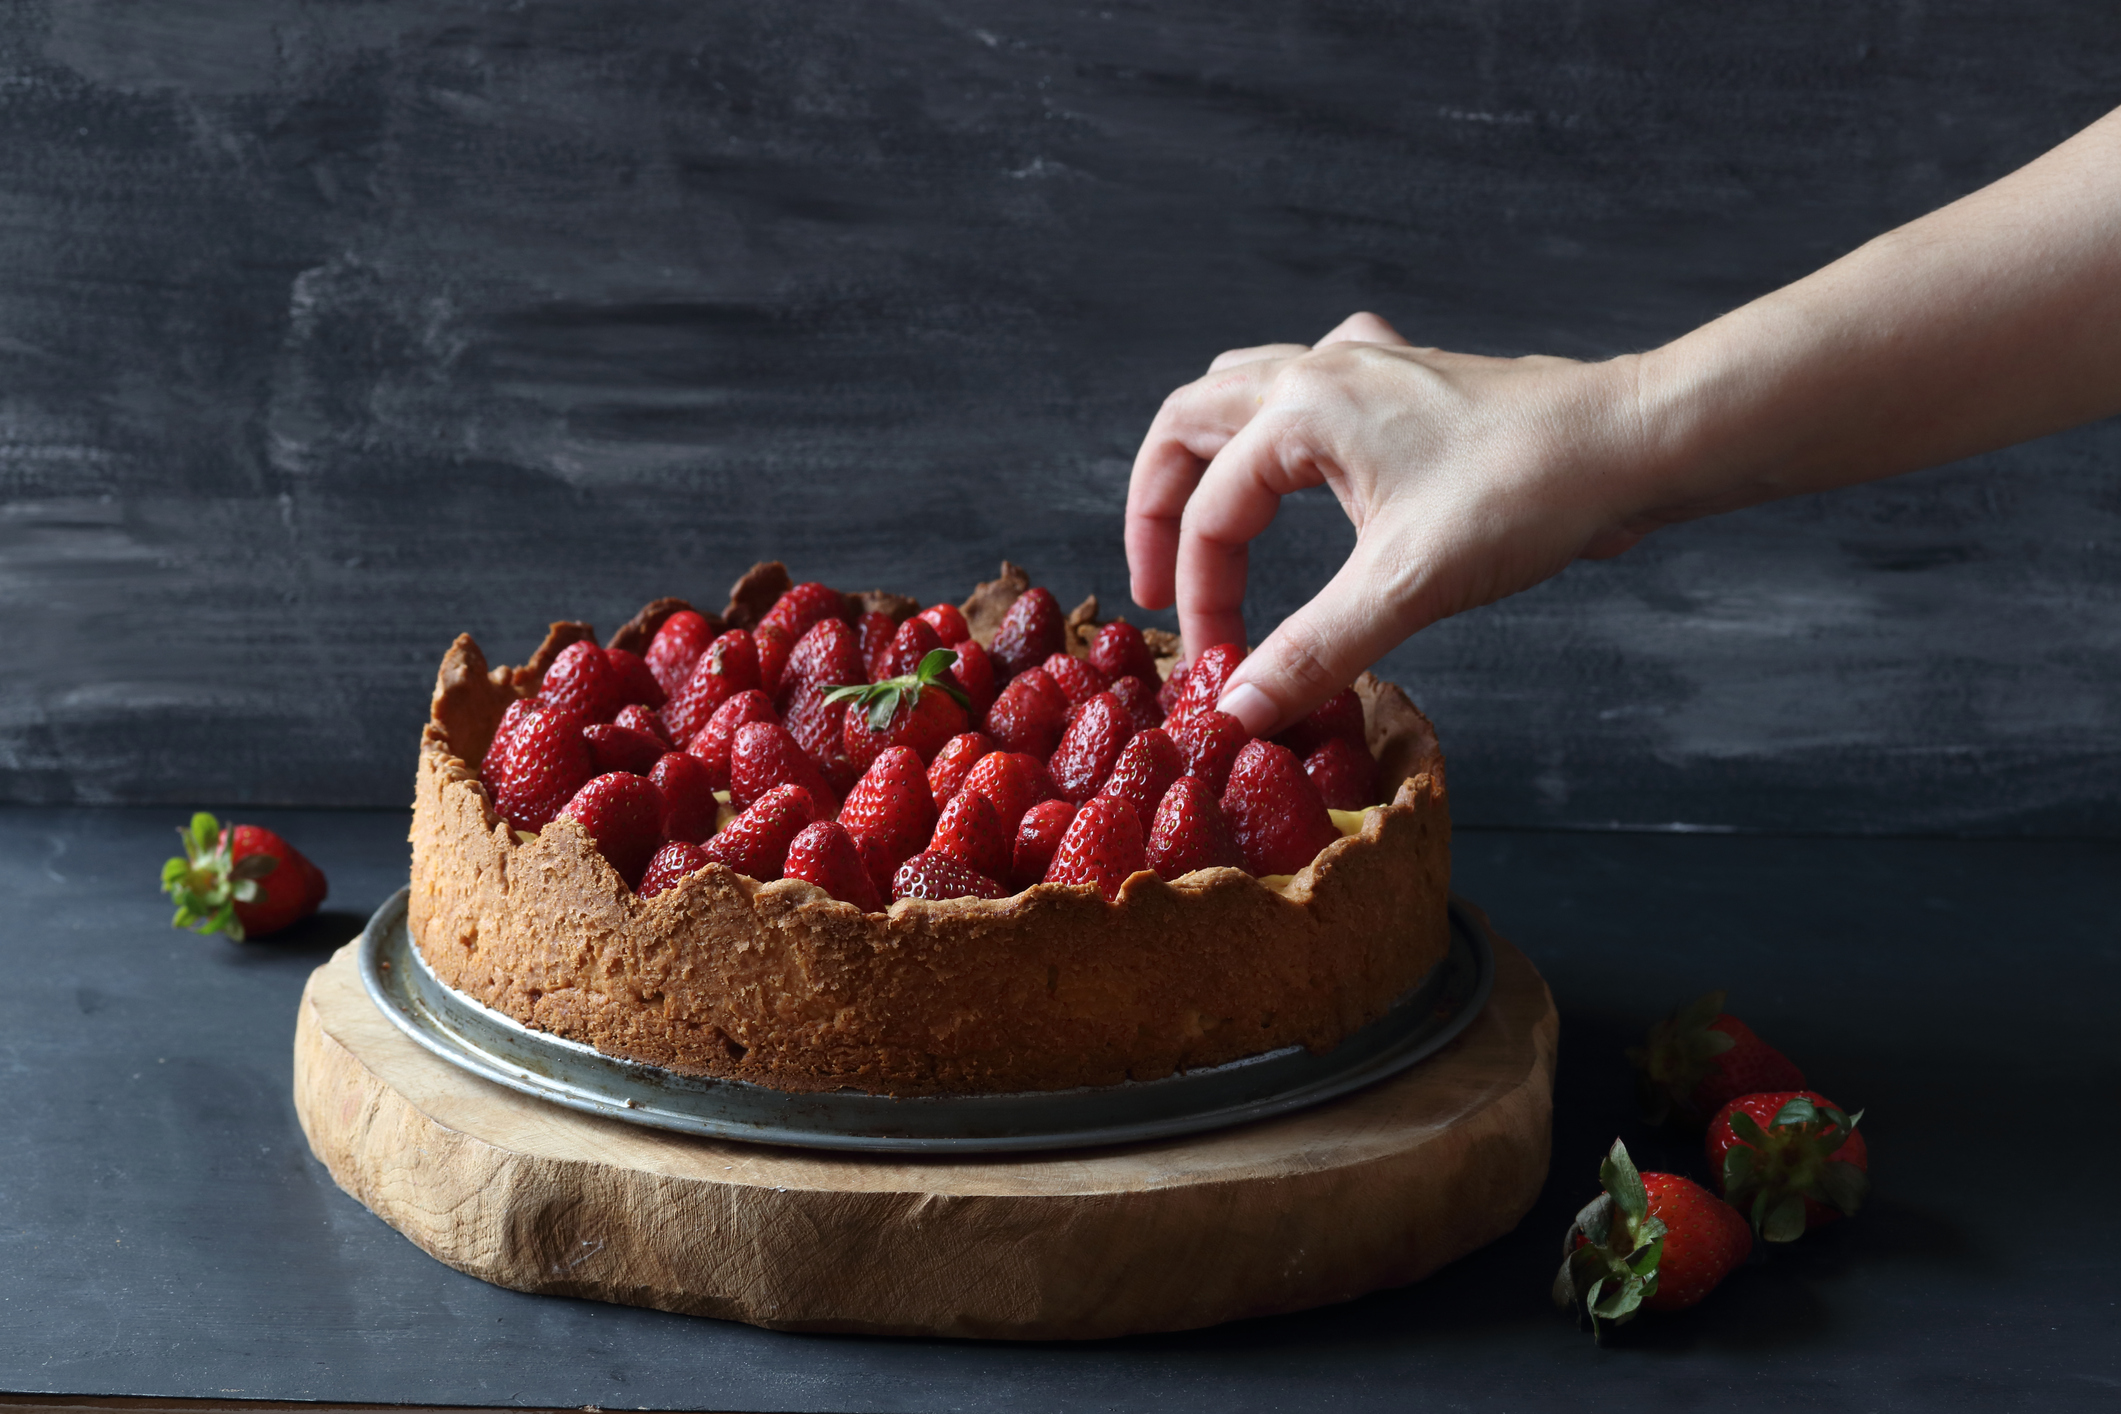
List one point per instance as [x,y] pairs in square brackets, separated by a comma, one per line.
[1991,321]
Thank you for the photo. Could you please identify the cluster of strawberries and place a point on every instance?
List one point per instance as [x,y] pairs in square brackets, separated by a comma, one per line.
[1784,1159]
[882,760]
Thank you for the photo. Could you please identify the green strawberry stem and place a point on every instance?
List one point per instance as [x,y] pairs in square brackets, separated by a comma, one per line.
[883,699]
[1676,1056]
[1768,1176]
[208,881]
[1614,1271]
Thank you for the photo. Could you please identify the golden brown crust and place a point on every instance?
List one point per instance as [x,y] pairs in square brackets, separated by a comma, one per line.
[754,592]
[781,985]
[896,607]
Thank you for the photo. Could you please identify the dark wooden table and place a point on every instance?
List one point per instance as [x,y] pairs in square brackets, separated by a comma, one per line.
[165,1234]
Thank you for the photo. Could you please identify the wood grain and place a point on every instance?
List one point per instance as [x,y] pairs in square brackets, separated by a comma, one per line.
[1377,1189]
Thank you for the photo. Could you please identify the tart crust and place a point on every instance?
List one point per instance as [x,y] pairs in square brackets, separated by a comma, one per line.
[780,984]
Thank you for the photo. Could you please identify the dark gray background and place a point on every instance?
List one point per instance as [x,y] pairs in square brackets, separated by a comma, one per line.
[327,331]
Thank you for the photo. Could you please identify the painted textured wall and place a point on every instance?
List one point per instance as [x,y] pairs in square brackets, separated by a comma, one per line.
[329,331]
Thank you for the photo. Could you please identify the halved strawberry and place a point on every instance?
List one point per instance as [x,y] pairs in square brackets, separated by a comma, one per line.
[1119,651]
[689,806]
[616,748]
[1090,747]
[1206,678]
[582,680]
[920,710]
[1211,741]
[890,812]
[1013,781]
[1189,832]
[1076,679]
[954,762]
[242,880]
[949,625]
[938,876]
[1790,1160]
[1031,631]
[1700,1058]
[1139,698]
[670,864]
[756,841]
[763,755]
[874,632]
[1147,766]
[824,854]
[1274,810]
[1345,774]
[1038,838]
[804,605]
[537,762]
[1103,847]
[1024,718]
[970,830]
[711,743]
[677,646]
[1339,716]
[623,813]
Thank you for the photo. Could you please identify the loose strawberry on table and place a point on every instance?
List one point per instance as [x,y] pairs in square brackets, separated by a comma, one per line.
[242,880]
[623,813]
[1790,1160]
[1700,1058]
[1652,1241]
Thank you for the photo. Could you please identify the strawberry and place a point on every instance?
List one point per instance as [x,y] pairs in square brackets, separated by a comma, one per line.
[1013,781]
[537,762]
[874,632]
[920,710]
[1147,766]
[678,645]
[735,656]
[617,748]
[1038,837]
[670,864]
[1103,847]
[1652,1241]
[827,656]
[636,717]
[1345,774]
[1791,1160]
[970,831]
[729,666]
[1274,810]
[938,876]
[1090,747]
[1139,698]
[582,680]
[1699,1059]
[773,645]
[1041,682]
[1076,679]
[824,854]
[949,625]
[242,880]
[819,726]
[1211,741]
[890,812]
[1207,677]
[910,647]
[624,815]
[1338,716]
[642,689]
[1025,719]
[1188,832]
[1031,631]
[974,672]
[1174,689]
[756,842]
[689,806]
[763,755]
[711,742]
[1119,651]
[951,765]
[804,605]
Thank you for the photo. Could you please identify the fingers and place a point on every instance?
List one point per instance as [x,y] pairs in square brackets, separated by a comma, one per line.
[1362,328]
[1354,621]
[1236,498]
[1233,357]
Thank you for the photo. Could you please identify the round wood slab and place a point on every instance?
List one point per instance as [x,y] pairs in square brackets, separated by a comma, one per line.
[1373,1190]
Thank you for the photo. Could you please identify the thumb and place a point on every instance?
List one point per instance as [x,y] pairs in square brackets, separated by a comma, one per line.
[1321,648]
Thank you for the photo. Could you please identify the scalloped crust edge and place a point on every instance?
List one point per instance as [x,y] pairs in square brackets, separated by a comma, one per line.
[780,984]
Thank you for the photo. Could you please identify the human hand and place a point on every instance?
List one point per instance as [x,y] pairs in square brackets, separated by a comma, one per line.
[1467,479]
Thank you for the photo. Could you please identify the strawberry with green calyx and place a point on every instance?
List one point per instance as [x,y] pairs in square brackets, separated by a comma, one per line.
[824,854]
[948,622]
[1038,839]
[670,864]
[920,710]
[947,772]
[1651,1241]
[1139,698]
[1345,774]
[1032,630]
[1119,651]
[1700,1058]
[1790,1160]
[244,880]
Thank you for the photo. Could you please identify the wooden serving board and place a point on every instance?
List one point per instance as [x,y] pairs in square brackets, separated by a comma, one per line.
[1372,1190]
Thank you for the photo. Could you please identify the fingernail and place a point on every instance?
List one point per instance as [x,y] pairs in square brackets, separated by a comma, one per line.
[1250,706]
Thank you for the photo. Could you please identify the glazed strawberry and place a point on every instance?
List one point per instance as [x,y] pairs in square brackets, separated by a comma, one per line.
[1032,630]
[970,830]
[954,762]
[711,743]
[624,815]
[1338,716]
[636,717]
[827,656]
[1013,781]
[818,724]
[890,813]
[763,755]
[1103,847]
[1119,651]
[756,841]
[874,632]
[1038,839]
[1139,698]
[1076,679]
[1699,1059]
[1090,747]
[1207,677]
[582,680]
[910,647]
[920,710]
[642,689]
[1345,774]
[242,880]
[804,605]
[689,806]
[678,645]
[1211,741]
[734,656]
[670,864]
[938,876]
[1147,766]
[616,748]
[824,854]
[1790,1160]
[1188,832]
[728,666]
[1024,719]
[774,646]
[1650,1241]
[536,764]
[974,672]
[1274,810]
[949,625]
[1041,682]
[1174,689]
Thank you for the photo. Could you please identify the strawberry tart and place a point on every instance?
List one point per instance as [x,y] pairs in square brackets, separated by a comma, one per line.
[826,841]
